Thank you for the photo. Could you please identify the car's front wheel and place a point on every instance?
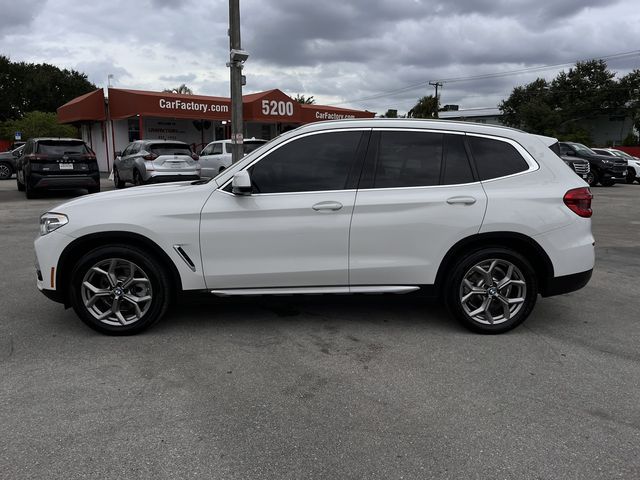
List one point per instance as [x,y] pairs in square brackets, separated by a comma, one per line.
[631,175]
[119,290]
[6,170]
[492,290]
[592,178]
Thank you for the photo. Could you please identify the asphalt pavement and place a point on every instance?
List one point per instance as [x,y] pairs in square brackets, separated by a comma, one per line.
[343,387]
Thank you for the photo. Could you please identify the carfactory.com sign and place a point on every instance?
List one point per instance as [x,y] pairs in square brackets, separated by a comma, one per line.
[192,106]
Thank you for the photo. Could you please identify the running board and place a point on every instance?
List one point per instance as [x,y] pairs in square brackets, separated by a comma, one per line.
[233,292]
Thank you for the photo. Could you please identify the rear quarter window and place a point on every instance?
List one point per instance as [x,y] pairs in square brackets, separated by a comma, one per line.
[496,158]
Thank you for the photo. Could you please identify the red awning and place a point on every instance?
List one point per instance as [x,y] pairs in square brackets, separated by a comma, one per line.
[89,106]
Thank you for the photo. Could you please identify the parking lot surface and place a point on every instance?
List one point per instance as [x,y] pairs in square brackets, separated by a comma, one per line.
[324,387]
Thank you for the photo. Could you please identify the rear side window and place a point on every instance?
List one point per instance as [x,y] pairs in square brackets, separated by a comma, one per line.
[170,149]
[312,163]
[408,159]
[57,147]
[495,158]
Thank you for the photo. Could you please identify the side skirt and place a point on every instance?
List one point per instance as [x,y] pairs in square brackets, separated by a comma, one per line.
[316,290]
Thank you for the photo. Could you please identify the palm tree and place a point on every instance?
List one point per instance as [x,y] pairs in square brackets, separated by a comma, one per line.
[182,90]
[427,107]
[306,100]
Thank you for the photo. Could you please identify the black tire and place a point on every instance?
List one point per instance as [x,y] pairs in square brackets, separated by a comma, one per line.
[631,176]
[20,184]
[456,291]
[118,183]
[28,189]
[137,178]
[592,178]
[607,183]
[159,289]
[94,189]
[6,171]
[221,169]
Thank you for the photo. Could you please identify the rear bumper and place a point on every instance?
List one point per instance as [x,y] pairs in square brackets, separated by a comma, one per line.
[566,283]
[38,181]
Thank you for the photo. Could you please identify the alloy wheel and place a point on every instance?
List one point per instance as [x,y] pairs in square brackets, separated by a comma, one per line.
[5,171]
[116,292]
[493,291]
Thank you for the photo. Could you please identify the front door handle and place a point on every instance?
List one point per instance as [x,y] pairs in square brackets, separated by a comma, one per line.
[461,200]
[324,206]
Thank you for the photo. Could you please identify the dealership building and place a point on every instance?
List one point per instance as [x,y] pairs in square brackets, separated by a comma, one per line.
[109,123]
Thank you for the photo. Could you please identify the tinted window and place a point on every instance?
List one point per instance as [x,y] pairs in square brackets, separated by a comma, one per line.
[495,158]
[408,159]
[456,165]
[170,149]
[312,163]
[57,147]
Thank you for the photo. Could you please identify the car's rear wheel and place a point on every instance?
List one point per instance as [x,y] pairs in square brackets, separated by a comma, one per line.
[5,171]
[607,183]
[118,183]
[137,178]
[94,189]
[19,184]
[592,178]
[631,175]
[28,189]
[119,290]
[492,290]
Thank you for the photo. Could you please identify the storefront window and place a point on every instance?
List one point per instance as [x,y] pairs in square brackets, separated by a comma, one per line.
[134,129]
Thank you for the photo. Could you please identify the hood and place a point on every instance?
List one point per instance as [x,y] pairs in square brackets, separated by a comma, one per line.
[135,194]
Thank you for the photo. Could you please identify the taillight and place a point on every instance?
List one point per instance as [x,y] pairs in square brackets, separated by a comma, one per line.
[579,201]
[194,156]
[150,156]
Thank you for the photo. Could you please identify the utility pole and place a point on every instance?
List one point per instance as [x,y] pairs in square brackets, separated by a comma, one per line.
[237,57]
[436,84]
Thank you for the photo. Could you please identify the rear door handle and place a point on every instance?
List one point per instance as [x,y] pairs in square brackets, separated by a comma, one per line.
[461,200]
[323,206]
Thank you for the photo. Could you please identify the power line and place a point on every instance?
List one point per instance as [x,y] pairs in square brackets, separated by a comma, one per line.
[614,56]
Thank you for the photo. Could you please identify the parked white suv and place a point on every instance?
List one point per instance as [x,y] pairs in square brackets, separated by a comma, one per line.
[216,156]
[485,218]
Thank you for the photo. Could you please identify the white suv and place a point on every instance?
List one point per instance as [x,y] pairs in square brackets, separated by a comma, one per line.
[485,218]
[216,156]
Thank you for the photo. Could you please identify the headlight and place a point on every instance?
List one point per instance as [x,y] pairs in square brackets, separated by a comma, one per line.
[52,221]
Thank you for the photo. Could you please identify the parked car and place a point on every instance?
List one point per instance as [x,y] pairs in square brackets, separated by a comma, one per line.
[56,163]
[154,161]
[605,170]
[580,166]
[633,163]
[8,162]
[458,211]
[216,156]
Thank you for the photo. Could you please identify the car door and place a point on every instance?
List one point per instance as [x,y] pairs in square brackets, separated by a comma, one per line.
[293,230]
[419,195]
[120,163]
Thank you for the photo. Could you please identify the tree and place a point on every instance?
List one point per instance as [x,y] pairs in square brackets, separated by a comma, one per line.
[182,90]
[37,124]
[305,100]
[427,107]
[27,87]
[391,113]
[558,108]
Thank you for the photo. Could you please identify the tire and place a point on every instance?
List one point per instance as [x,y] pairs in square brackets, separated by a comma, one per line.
[607,183]
[94,189]
[28,189]
[631,176]
[6,170]
[20,184]
[137,178]
[116,179]
[221,169]
[484,311]
[103,285]
[592,178]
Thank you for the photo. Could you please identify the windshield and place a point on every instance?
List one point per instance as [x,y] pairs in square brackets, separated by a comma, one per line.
[57,147]
[170,149]
[620,153]
[583,149]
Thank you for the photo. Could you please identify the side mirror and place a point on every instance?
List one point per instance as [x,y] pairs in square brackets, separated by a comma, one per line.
[241,183]
[118,153]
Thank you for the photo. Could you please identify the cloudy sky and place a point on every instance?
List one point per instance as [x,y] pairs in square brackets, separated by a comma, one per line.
[373,54]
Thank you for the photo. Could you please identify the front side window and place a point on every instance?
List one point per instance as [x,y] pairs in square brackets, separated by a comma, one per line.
[217,149]
[495,158]
[408,159]
[312,163]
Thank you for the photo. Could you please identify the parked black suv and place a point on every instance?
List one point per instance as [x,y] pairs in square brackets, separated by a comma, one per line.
[57,163]
[580,166]
[604,170]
